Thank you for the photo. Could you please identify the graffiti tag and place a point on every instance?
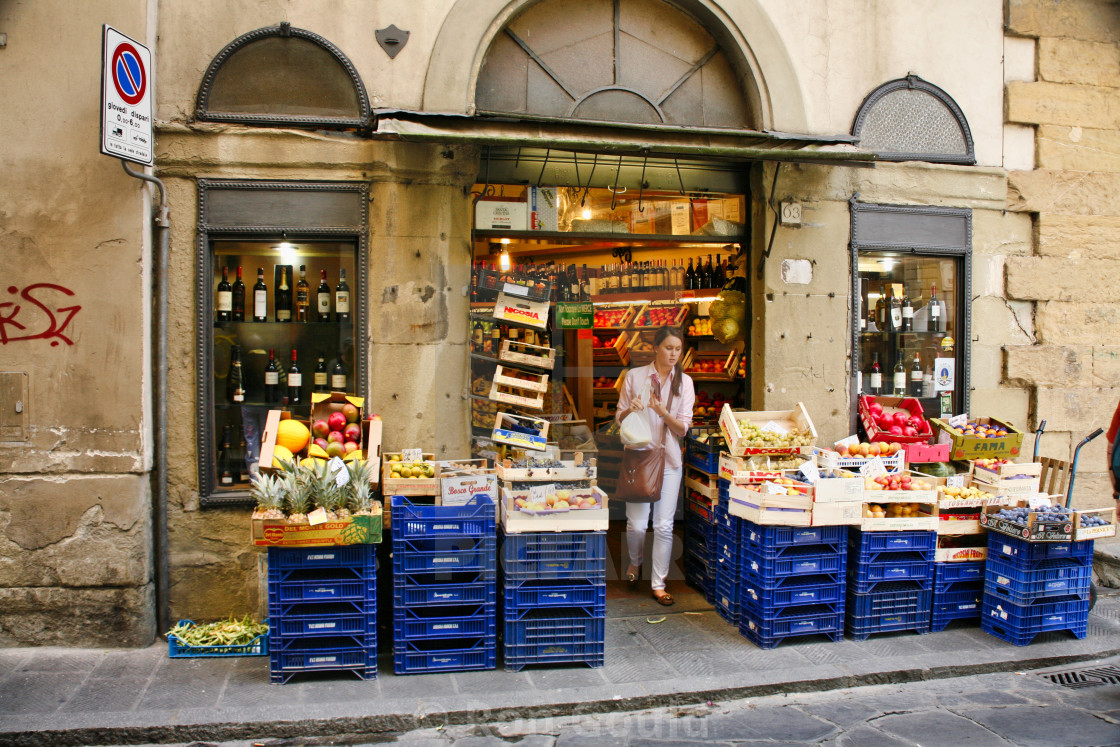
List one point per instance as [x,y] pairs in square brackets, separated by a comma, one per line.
[46,322]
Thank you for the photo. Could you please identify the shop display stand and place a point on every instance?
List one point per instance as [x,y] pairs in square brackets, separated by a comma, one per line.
[792,582]
[727,559]
[1035,587]
[444,586]
[322,607]
[957,593]
[553,598]
[701,526]
[890,582]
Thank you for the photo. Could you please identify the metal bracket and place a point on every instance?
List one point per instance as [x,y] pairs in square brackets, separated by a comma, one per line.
[392,39]
[623,253]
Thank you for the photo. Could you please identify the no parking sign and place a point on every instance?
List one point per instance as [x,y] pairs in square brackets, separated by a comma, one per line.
[126,97]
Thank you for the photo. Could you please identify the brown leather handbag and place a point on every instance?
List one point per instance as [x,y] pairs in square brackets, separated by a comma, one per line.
[639,480]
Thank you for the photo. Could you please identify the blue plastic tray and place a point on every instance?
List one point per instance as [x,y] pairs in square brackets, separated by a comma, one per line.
[1050,578]
[563,626]
[1026,555]
[1019,624]
[555,593]
[899,598]
[540,555]
[516,657]
[775,537]
[767,642]
[176,649]
[361,661]
[340,619]
[806,560]
[893,541]
[362,557]
[444,555]
[408,593]
[951,573]
[426,623]
[791,621]
[473,519]
[449,655]
[889,566]
[285,592]
[793,590]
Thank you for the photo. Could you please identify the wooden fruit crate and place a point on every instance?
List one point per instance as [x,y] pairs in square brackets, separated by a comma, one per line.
[631,311]
[726,361]
[640,357]
[737,445]
[644,320]
[516,379]
[525,354]
[617,354]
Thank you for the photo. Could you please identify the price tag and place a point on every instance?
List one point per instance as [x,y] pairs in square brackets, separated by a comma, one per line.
[341,474]
[944,437]
[812,474]
[958,421]
[412,455]
[775,427]
[829,460]
[538,493]
[773,489]
[316,517]
[873,468]
[955,481]
[1038,500]
[515,290]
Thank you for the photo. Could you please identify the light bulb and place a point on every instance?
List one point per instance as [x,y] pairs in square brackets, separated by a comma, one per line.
[503,261]
[586,214]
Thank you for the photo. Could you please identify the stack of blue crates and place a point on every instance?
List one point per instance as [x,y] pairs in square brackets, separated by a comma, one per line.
[791,582]
[700,540]
[554,598]
[322,608]
[890,582]
[957,593]
[444,586]
[727,557]
[1034,587]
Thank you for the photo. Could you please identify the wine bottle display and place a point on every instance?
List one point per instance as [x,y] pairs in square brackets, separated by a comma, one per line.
[295,381]
[260,298]
[284,295]
[876,377]
[238,296]
[320,382]
[342,298]
[916,377]
[303,297]
[225,297]
[235,379]
[899,378]
[225,459]
[323,298]
[272,380]
[338,375]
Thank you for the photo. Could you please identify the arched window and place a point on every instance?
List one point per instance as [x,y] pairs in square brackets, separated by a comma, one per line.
[633,61]
[910,119]
[283,76]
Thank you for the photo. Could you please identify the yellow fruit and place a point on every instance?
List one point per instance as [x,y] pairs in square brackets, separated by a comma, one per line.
[316,451]
[280,452]
[353,456]
[395,458]
[292,435]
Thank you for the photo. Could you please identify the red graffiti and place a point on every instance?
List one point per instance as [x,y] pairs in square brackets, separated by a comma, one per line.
[10,310]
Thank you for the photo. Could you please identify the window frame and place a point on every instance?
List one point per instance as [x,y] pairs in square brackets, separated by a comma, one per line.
[913,82]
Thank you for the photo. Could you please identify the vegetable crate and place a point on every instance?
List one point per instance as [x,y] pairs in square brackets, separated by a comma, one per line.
[713,365]
[611,349]
[661,315]
[176,648]
[973,447]
[786,420]
[524,354]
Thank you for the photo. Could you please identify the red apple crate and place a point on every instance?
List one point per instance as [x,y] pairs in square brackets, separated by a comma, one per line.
[892,404]
[643,319]
[630,312]
[617,354]
[728,361]
[920,453]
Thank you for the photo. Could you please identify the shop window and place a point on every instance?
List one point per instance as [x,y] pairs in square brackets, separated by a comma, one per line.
[911,310]
[283,76]
[910,119]
[280,236]
[632,61]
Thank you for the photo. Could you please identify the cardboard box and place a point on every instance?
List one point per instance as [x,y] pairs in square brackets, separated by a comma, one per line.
[840,513]
[458,487]
[1034,530]
[834,489]
[893,405]
[960,554]
[370,444]
[544,208]
[578,469]
[268,440]
[409,486]
[970,447]
[504,433]
[516,521]
[737,445]
[521,311]
[498,213]
[355,530]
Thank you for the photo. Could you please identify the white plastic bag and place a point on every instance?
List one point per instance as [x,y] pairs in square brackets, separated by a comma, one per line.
[634,429]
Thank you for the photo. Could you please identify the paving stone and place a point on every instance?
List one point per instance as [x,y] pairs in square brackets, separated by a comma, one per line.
[676,633]
[938,729]
[866,736]
[621,634]
[1035,725]
[647,669]
[844,713]
[140,663]
[498,680]
[54,660]
[98,694]
[781,724]
[37,692]
[590,740]
[567,677]
[424,686]
[697,663]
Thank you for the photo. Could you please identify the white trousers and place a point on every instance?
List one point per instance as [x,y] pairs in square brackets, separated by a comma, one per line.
[637,520]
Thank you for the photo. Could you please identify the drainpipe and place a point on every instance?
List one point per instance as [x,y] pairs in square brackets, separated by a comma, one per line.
[163,235]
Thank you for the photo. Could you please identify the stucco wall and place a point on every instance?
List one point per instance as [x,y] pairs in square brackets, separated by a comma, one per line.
[75,534]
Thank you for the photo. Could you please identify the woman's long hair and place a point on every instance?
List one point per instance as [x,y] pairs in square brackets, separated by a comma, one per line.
[662,335]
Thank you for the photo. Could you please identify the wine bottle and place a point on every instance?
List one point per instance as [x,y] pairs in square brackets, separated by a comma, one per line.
[243,473]
[896,311]
[584,286]
[323,298]
[342,298]
[225,298]
[689,277]
[235,379]
[303,297]
[320,376]
[528,336]
[916,377]
[476,337]
[573,283]
[295,381]
[876,377]
[272,380]
[495,338]
[238,297]
[225,460]
[710,272]
[338,375]
[260,298]
[626,278]
[284,296]
[881,309]
[936,312]
[907,312]
[899,377]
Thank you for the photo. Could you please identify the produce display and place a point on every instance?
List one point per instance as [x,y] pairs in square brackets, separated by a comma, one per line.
[896,482]
[231,632]
[755,436]
[742,371]
[714,440]
[297,488]
[338,434]
[611,317]
[792,486]
[603,382]
[604,341]
[403,470]
[898,423]
[1021,514]
[961,493]
[980,430]
[704,365]
[560,500]
[659,316]
[708,406]
[642,346]
[701,326]
[891,510]
[1093,520]
[991,463]
[535,463]
[868,450]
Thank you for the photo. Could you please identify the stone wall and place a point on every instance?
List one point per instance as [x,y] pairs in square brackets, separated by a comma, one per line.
[1070,366]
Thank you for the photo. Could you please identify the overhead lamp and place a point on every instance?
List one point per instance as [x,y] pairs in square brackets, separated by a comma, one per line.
[503,261]
[586,214]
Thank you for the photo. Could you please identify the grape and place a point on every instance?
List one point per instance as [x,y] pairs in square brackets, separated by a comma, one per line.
[756,437]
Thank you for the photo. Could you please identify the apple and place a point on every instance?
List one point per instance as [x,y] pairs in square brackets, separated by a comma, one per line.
[350,446]
[896,430]
[321,428]
[321,443]
[373,416]
[335,437]
[350,413]
[336,449]
[337,421]
[352,432]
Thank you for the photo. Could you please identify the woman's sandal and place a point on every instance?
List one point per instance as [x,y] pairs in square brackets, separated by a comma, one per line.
[632,580]
[665,600]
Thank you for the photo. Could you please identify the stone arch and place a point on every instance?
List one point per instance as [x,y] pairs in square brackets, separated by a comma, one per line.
[767,74]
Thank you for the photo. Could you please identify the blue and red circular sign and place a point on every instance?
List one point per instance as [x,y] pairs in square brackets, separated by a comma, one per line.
[129,76]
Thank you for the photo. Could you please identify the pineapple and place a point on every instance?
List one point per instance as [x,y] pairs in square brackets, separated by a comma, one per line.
[326,493]
[361,497]
[296,490]
[267,490]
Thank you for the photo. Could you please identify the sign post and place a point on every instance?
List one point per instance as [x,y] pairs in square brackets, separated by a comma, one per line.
[126,97]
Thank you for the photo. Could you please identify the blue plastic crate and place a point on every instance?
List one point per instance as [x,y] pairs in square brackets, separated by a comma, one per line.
[700,508]
[805,560]
[555,555]
[901,597]
[283,575]
[889,566]
[424,590]
[444,555]
[781,551]
[556,593]
[324,620]
[305,656]
[363,557]
[515,658]
[700,581]
[766,642]
[727,523]
[1019,624]
[792,590]
[283,644]
[792,621]
[475,518]
[893,541]
[448,655]
[1026,555]
[426,623]
[951,573]
[1049,578]
[729,612]
[315,590]
[557,627]
[697,532]
[727,588]
[176,649]
[960,604]
[775,537]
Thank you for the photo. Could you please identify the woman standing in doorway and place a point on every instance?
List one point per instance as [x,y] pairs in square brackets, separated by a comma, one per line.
[669,408]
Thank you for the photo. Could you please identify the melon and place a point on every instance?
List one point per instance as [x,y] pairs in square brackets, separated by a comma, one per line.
[292,435]
[280,452]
